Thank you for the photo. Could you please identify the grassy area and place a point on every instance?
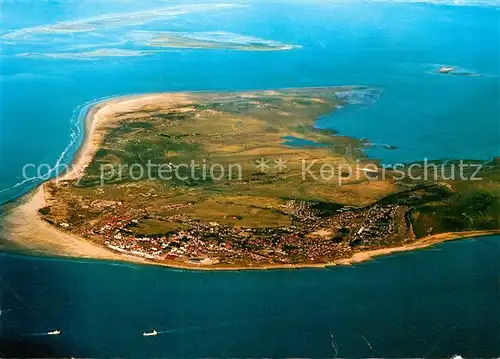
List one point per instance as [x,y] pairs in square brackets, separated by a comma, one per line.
[241,129]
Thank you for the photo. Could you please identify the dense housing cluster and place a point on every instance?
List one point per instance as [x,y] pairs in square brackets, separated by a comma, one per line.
[314,236]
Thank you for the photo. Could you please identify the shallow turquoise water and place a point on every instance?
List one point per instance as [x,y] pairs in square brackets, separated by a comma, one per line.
[431,303]
[424,114]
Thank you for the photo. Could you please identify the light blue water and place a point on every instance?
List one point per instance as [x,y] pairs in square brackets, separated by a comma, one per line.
[429,303]
[394,47]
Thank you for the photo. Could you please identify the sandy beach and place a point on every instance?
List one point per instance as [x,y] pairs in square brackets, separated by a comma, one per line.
[24,227]
[22,224]
[100,117]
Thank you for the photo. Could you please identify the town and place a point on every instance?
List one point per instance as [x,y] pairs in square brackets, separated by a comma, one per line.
[315,235]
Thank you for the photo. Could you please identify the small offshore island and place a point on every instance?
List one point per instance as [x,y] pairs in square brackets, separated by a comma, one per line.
[149,43]
[217,40]
[269,216]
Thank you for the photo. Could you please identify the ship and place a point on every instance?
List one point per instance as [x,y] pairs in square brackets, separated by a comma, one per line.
[150,334]
[446,69]
[54,332]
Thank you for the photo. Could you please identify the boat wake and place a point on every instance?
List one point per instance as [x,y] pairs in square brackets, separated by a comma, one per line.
[52,332]
[194,328]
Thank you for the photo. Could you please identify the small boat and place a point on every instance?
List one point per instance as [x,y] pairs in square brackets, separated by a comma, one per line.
[54,332]
[446,69]
[150,334]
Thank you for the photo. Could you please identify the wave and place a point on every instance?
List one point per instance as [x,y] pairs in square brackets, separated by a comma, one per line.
[63,162]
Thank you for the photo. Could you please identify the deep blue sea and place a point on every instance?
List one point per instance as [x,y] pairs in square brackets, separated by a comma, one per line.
[428,303]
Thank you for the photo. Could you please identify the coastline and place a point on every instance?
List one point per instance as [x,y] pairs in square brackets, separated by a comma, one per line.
[21,222]
[62,244]
[23,225]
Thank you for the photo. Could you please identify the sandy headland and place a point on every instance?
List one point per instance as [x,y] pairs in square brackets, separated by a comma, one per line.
[24,227]
[22,223]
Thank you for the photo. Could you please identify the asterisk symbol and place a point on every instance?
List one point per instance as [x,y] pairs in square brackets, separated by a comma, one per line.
[262,164]
[280,164]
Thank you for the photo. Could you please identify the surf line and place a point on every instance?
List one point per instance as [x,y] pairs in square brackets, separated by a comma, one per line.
[77,122]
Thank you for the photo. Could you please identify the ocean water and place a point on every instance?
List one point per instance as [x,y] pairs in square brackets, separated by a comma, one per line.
[428,303]
[394,47]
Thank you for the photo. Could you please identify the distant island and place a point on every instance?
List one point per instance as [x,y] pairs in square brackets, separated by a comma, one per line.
[263,214]
[157,42]
[206,40]
[88,55]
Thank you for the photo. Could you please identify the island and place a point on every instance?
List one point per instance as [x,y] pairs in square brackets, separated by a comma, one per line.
[210,180]
[88,55]
[220,40]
